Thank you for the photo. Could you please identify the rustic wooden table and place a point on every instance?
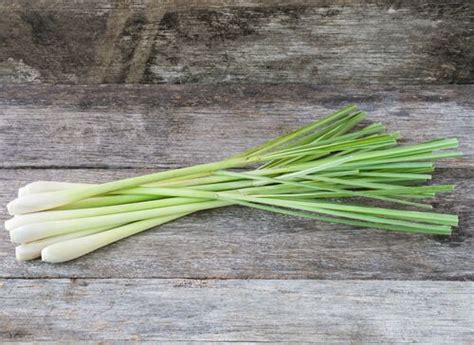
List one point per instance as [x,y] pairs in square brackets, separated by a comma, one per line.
[251,70]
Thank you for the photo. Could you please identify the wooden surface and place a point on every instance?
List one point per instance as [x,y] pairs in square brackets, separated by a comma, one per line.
[175,41]
[168,126]
[309,311]
[136,287]
[236,242]
[162,126]
[251,69]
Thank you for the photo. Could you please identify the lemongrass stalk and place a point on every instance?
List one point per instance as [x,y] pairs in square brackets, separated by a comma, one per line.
[32,250]
[44,201]
[181,182]
[37,231]
[47,186]
[74,248]
[190,182]
[109,200]
[54,186]
[47,216]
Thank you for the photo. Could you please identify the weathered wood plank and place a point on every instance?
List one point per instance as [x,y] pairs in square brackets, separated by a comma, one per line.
[175,41]
[240,243]
[169,126]
[237,310]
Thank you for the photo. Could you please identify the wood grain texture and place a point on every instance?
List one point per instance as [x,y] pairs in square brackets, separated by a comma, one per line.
[166,126]
[145,41]
[242,243]
[234,275]
[237,310]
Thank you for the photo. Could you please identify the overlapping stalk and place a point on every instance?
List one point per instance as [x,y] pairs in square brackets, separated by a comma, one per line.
[329,170]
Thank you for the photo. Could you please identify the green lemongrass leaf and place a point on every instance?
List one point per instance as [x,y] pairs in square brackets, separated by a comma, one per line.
[426,217]
[274,143]
[416,189]
[409,150]
[408,176]
[332,195]
[330,135]
[342,193]
[420,157]
[393,167]
[329,148]
[334,131]
[368,131]
[322,165]
[362,224]
[346,126]
[420,227]
[412,226]
[364,183]
[348,151]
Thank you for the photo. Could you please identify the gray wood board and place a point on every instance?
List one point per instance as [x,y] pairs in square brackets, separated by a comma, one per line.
[337,42]
[241,243]
[237,310]
[166,126]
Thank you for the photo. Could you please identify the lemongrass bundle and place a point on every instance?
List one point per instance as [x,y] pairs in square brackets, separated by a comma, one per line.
[329,170]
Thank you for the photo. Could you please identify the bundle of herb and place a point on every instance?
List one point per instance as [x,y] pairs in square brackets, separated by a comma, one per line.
[328,170]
